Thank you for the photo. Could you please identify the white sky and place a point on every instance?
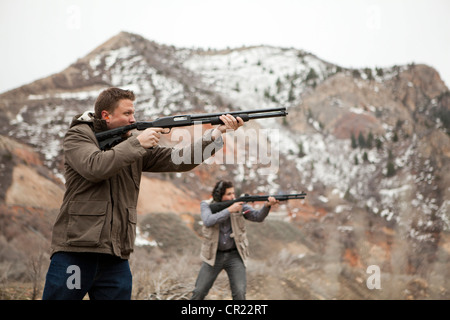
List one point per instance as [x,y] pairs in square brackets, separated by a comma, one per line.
[42,37]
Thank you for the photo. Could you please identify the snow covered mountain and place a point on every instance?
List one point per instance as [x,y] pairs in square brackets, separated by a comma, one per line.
[372,143]
[327,105]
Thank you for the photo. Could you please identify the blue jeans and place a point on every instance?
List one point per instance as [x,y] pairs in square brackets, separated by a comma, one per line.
[232,263]
[73,274]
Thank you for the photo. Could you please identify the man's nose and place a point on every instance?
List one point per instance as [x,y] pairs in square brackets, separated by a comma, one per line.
[132,119]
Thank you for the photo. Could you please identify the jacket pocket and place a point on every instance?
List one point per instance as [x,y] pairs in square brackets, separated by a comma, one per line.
[207,250]
[86,221]
[131,231]
[244,246]
[208,232]
[209,243]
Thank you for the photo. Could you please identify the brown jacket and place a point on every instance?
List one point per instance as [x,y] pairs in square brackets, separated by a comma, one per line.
[98,213]
[211,229]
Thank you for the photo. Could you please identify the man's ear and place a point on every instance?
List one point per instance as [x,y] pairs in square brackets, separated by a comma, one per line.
[105,115]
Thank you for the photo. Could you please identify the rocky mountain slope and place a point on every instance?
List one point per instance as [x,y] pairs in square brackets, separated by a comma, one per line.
[369,146]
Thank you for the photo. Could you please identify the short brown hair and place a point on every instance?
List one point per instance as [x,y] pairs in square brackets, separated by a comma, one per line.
[109,98]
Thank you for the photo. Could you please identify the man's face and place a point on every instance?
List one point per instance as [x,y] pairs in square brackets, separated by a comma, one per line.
[123,115]
[229,194]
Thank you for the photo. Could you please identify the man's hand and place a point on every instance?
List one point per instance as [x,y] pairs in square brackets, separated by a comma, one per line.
[230,123]
[150,137]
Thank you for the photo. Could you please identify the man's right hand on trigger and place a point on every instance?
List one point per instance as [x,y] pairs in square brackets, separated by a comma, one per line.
[150,137]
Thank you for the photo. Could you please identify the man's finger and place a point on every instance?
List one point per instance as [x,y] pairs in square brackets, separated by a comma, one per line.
[159,129]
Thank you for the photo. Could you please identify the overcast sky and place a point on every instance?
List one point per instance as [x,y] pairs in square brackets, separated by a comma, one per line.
[42,37]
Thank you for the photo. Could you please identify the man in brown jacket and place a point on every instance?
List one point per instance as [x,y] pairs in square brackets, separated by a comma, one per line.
[225,244]
[95,230]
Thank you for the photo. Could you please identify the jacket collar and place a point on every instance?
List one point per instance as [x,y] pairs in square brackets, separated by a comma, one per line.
[88,117]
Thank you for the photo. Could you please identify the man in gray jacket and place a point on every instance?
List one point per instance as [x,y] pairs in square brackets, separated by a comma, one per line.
[225,244]
[95,230]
